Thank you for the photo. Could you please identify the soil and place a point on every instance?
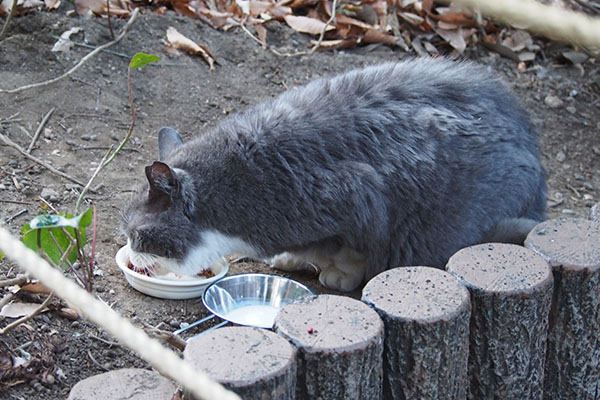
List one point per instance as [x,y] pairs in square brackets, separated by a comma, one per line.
[91,113]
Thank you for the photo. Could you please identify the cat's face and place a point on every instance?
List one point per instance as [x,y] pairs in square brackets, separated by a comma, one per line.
[158,220]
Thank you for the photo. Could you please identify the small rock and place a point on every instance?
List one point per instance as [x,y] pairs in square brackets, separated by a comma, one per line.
[2,187]
[567,211]
[571,109]
[49,194]
[553,101]
[49,379]
[561,156]
[13,164]
[174,323]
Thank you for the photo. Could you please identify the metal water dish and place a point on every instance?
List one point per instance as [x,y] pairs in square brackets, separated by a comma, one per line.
[252,299]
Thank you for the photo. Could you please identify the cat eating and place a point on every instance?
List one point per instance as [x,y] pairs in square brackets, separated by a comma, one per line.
[391,165]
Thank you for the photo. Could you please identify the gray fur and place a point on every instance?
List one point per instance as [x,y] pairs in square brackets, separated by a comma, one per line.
[405,163]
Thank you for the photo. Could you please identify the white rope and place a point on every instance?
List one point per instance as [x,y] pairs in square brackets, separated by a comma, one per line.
[553,22]
[164,360]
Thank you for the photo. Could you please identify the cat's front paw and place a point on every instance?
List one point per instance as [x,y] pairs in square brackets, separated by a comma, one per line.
[335,279]
[290,262]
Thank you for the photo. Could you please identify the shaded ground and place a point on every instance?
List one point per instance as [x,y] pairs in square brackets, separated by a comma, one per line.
[91,113]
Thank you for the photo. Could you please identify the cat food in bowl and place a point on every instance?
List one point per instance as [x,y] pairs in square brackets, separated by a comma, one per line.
[168,286]
[252,299]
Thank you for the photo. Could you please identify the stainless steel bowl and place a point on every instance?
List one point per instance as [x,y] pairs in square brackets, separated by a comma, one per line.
[252,299]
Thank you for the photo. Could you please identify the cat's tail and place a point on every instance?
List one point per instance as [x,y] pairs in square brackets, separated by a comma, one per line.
[510,230]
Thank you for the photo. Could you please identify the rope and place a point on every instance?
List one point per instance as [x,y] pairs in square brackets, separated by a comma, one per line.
[164,360]
[553,22]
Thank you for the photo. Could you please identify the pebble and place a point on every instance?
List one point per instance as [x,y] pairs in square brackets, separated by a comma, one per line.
[561,156]
[174,323]
[2,187]
[571,110]
[13,164]
[567,211]
[553,101]
[49,194]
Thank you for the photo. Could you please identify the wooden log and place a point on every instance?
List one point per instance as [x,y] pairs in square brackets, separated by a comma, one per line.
[340,346]
[511,292]
[426,313]
[124,384]
[572,247]
[254,363]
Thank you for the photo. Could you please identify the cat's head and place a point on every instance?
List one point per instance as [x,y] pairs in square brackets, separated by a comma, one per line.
[159,218]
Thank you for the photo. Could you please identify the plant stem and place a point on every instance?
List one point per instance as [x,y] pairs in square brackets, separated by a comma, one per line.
[7,22]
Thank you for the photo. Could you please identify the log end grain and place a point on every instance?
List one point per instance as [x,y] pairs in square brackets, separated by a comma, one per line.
[500,268]
[570,243]
[421,294]
[124,384]
[249,361]
[329,323]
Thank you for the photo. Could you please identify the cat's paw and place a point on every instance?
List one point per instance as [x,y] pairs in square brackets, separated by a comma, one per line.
[333,278]
[290,262]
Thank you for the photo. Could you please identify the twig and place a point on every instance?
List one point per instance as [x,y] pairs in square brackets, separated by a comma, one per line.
[18,280]
[81,62]
[168,337]
[87,186]
[50,168]
[89,46]
[7,22]
[39,130]
[112,33]
[102,367]
[15,202]
[26,318]
[6,299]
[316,46]
[10,118]
[108,342]
[18,214]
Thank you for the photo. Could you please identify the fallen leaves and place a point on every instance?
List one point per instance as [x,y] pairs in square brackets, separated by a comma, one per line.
[422,26]
[308,25]
[181,42]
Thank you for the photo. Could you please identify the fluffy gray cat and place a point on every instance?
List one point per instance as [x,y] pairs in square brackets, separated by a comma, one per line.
[391,165]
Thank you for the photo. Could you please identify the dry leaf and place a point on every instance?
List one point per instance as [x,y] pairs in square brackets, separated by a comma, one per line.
[183,43]
[17,310]
[36,287]
[261,32]
[306,25]
[374,36]
[120,8]
[454,38]
[52,4]
[64,44]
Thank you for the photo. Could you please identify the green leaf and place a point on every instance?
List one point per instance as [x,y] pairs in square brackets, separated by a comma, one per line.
[53,241]
[142,59]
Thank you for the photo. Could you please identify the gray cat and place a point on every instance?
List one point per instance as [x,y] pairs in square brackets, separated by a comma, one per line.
[397,164]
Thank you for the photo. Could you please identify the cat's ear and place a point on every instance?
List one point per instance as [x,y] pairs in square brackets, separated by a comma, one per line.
[162,179]
[168,140]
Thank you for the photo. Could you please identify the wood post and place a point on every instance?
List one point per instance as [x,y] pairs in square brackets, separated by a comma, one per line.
[511,291]
[426,316]
[254,363]
[572,247]
[340,346]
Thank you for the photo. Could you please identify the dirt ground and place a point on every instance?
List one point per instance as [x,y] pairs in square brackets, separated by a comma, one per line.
[92,113]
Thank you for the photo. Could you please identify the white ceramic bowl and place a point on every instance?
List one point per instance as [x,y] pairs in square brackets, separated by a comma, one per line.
[167,288]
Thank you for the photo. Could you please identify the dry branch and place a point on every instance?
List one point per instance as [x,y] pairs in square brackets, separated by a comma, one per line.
[50,168]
